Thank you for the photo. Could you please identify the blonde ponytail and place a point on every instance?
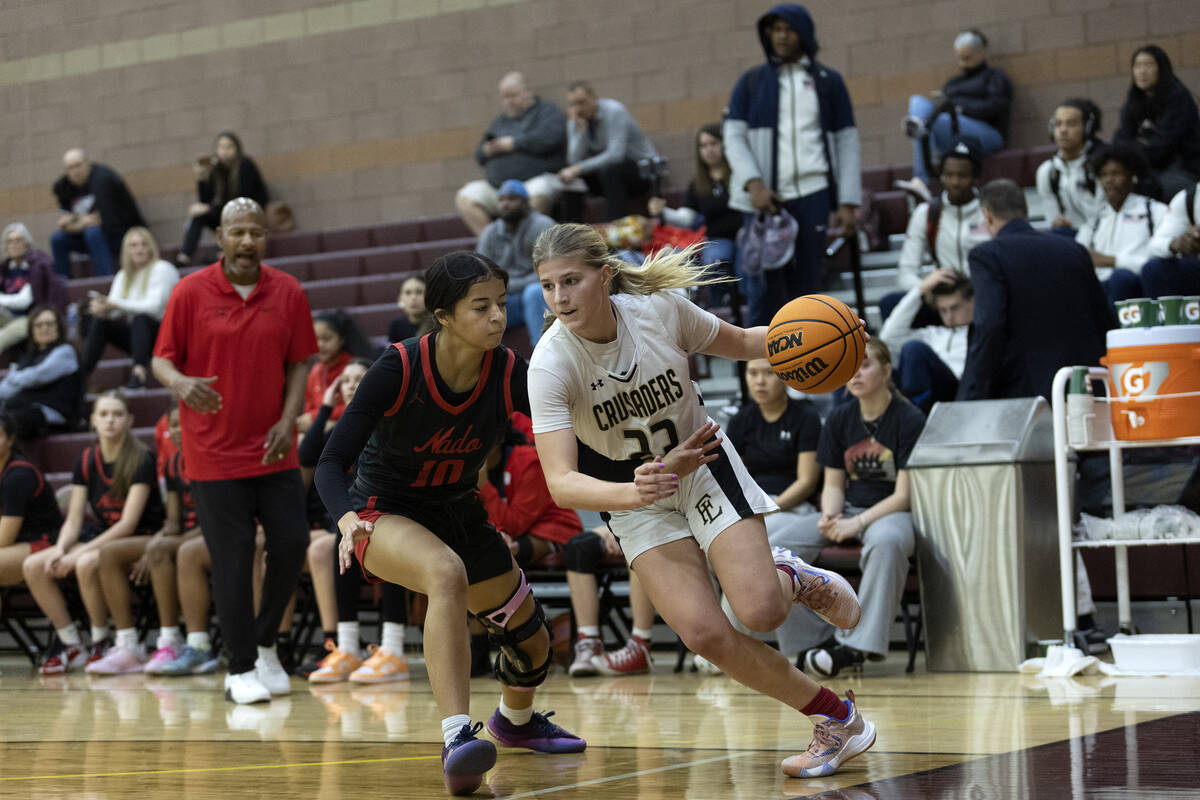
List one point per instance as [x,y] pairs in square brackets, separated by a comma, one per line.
[666,269]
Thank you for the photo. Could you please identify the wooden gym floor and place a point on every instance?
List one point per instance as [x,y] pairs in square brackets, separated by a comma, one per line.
[655,737]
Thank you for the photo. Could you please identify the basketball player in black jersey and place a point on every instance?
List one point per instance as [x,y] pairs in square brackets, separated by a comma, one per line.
[423,419]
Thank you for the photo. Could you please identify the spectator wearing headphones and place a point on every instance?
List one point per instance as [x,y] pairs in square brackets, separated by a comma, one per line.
[1070,193]
[1118,236]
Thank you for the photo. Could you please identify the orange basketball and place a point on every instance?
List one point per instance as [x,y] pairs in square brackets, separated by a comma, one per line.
[815,343]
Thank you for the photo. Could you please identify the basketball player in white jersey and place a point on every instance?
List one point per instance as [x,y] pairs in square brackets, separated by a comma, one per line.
[621,428]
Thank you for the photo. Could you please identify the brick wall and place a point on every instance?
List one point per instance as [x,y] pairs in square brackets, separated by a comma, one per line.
[368,110]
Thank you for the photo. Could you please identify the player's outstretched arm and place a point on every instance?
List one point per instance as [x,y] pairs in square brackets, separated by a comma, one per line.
[570,488]
[739,344]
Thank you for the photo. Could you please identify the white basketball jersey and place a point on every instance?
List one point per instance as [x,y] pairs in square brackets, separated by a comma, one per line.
[630,400]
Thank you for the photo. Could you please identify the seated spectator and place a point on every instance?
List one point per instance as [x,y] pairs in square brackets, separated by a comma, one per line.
[1175,266]
[156,563]
[707,200]
[27,279]
[585,555]
[864,449]
[1068,188]
[415,319]
[1038,304]
[1118,235]
[778,435]
[944,230]
[339,341]
[337,591]
[931,356]
[29,514]
[528,143]
[975,102]
[128,318]
[220,177]
[604,146]
[115,477]
[509,242]
[519,506]
[1160,114]
[43,391]
[142,559]
[97,209]
[792,145]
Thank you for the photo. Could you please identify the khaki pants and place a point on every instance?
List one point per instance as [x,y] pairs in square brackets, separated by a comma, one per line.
[13,329]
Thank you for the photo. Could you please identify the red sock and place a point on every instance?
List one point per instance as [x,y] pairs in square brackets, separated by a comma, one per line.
[828,704]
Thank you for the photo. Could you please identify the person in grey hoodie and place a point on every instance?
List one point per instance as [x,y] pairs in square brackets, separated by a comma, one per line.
[791,143]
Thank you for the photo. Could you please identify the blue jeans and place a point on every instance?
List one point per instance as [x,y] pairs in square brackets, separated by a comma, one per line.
[528,307]
[923,377]
[1168,276]
[770,290]
[940,135]
[1122,284]
[92,241]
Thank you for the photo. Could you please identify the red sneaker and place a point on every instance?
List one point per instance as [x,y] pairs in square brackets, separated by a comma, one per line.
[63,658]
[632,659]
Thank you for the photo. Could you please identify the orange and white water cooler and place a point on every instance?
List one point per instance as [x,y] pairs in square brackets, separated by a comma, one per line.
[1154,381]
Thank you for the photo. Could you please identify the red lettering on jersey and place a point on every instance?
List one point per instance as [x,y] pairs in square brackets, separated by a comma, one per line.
[441,444]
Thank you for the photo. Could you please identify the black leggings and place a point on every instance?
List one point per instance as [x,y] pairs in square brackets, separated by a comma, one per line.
[584,553]
[196,226]
[227,511]
[135,336]
[348,586]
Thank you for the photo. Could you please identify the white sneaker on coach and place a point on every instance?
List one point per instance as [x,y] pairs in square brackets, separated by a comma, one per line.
[245,687]
[271,673]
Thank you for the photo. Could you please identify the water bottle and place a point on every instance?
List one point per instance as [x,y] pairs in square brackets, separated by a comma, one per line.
[1080,408]
[72,320]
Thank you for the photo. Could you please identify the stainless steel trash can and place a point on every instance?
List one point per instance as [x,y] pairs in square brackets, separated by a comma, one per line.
[982,477]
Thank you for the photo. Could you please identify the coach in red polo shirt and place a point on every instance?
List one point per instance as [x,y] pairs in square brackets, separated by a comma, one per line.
[233,347]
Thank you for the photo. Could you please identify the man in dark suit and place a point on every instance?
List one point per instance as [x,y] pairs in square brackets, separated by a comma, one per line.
[1038,304]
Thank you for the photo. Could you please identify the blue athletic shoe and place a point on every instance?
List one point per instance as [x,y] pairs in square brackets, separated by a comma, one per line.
[466,759]
[188,662]
[539,734]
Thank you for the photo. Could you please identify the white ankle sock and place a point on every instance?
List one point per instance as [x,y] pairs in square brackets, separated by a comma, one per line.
[347,638]
[169,637]
[589,631]
[645,634]
[452,725]
[517,716]
[99,634]
[127,638]
[393,638]
[199,641]
[68,635]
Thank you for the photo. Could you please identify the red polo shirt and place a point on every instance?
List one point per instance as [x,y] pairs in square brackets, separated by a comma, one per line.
[209,330]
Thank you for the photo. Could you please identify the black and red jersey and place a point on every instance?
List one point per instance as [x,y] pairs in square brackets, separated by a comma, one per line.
[94,473]
[177,480]
[419,441]
[25,494]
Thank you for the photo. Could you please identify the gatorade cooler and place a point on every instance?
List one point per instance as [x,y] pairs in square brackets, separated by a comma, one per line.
[1154,380]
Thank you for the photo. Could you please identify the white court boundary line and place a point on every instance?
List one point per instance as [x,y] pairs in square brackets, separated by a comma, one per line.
[627,775]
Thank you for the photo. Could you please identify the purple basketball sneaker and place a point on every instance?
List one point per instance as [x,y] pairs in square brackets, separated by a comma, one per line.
[538,734]
[465,760]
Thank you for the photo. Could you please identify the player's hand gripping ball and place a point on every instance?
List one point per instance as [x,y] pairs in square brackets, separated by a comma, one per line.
[815,343]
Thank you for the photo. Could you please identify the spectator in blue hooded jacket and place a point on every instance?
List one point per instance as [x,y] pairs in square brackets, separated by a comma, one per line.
[791,143]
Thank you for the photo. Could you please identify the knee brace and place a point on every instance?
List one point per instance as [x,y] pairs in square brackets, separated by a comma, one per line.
[514,667]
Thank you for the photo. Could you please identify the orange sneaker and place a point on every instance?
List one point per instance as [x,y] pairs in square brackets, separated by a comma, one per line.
[383,666]
[336,666]
[834,743]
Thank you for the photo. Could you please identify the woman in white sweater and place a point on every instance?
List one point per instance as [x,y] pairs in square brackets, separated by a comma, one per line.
[129,317]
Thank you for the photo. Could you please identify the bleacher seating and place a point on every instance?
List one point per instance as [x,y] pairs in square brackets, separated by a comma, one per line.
[361,269]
